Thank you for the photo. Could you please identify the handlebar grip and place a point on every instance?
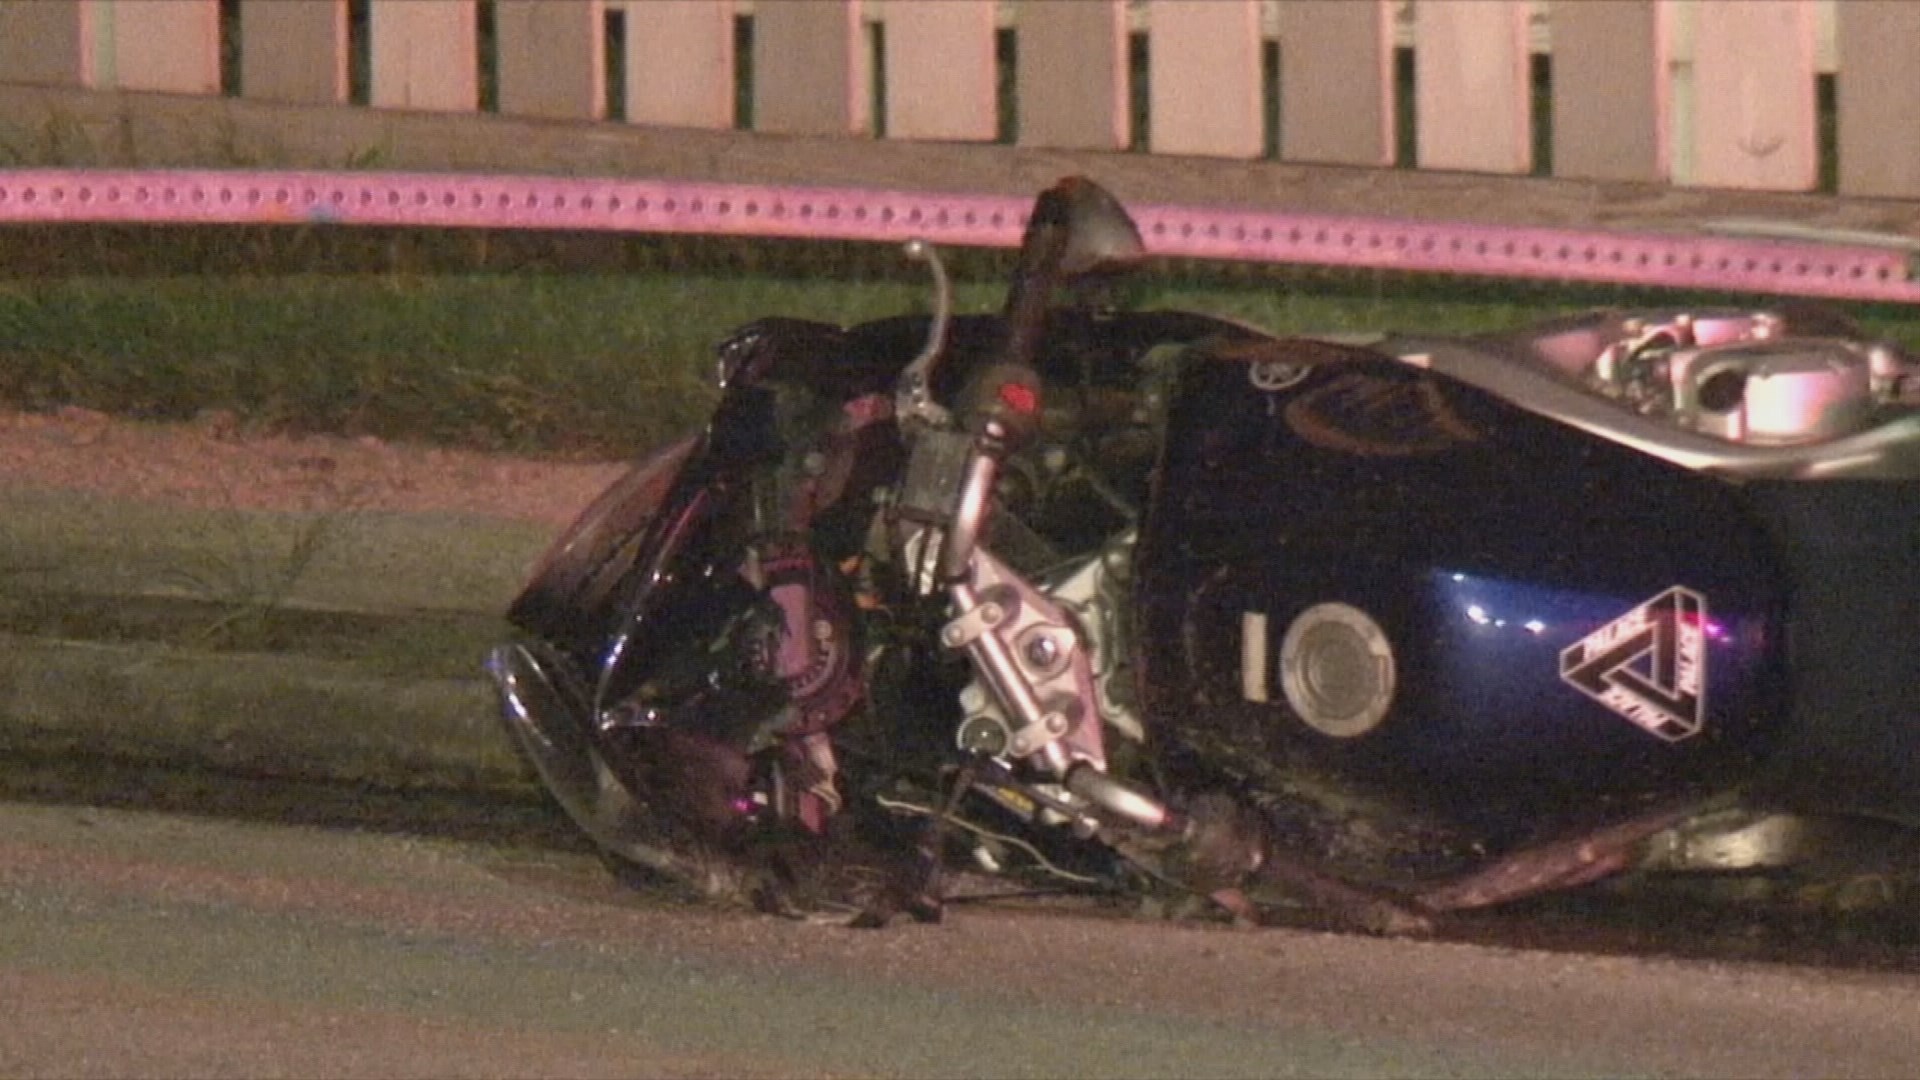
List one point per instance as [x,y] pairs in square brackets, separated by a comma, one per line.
[1006,396]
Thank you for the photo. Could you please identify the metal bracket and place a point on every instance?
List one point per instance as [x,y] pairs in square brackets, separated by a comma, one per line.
[1798,266]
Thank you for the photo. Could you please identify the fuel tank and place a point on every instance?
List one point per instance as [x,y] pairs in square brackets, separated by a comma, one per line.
[1375,573]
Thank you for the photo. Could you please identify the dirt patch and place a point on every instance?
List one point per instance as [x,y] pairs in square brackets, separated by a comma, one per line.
[216,463]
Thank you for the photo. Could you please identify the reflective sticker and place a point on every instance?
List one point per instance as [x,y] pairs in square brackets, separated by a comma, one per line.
[1649,665]
[1253,655]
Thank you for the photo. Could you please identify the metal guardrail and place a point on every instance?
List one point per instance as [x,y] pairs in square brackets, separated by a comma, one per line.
[1857,271]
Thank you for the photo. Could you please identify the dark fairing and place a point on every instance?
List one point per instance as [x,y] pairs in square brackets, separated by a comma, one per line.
[1487,541]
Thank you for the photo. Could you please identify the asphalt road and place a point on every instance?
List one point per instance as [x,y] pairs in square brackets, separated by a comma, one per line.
[142,943]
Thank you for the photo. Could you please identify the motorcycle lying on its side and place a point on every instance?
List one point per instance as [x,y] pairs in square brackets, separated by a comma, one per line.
[1147,600]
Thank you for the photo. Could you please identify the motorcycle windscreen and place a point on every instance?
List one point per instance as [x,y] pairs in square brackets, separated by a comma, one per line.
[567,597]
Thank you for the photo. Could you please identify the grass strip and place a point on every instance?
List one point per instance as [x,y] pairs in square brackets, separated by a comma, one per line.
[581,363]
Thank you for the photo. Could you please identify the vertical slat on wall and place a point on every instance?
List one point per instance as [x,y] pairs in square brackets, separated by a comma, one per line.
[423,54]
[1471,91]
[810,69]
[1753,95]
[1610,90]
[1336,81]
[294,50]
[941,76]
[1072,78]
[552,58]
[1879,97]
[1677,18]
[49,42]
[680,63]
[167,45]
[1205,95]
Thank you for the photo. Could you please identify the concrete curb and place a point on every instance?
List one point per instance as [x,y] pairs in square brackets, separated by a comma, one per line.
[258,713]
[362,560]
[308,717]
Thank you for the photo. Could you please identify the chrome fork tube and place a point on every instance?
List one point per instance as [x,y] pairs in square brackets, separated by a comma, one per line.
[991,654]
[970,508]
[975,626]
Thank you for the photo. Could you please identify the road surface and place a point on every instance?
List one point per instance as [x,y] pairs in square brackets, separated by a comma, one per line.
[144,943]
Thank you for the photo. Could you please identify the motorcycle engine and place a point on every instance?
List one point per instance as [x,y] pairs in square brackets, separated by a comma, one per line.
[1746,377]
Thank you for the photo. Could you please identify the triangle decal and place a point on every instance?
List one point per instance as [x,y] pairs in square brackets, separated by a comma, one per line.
[1649,665]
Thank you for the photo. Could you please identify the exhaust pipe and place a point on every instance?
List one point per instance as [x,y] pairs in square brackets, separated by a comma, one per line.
[1121,799]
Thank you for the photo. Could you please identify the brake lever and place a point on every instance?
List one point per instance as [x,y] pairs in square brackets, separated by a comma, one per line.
[913,394]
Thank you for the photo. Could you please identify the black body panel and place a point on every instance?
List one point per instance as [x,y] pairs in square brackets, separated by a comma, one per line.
[1852,553]
[1486,542]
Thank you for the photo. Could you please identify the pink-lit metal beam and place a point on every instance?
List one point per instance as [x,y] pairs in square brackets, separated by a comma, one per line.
[1670,260]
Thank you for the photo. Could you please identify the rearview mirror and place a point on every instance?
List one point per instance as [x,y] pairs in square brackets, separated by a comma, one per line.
[1101,235]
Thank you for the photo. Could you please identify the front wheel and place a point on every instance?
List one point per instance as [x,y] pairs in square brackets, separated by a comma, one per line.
[543,711]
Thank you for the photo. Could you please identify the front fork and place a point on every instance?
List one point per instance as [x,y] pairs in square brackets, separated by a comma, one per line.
[1035,701]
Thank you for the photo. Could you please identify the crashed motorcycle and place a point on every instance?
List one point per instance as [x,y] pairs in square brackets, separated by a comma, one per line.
[1385,627]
